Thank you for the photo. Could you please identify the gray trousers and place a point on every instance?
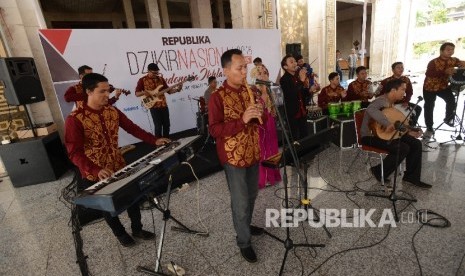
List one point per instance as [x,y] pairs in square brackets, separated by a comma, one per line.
[243,187]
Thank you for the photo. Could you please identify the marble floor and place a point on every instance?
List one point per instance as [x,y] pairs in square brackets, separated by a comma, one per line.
[36,238]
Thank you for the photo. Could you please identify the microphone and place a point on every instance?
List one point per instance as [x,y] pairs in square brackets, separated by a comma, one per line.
[420,98]
[398,126]
[267,83]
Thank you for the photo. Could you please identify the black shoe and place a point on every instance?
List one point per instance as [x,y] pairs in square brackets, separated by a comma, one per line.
[419,183]
[126,240]
[248,254]
[142,234]
[450,122]
[256,231]
[377,175]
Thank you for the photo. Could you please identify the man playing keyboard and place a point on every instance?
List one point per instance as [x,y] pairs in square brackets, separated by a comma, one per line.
[91,139]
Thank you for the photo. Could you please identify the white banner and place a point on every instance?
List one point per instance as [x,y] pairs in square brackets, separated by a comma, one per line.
[178,52]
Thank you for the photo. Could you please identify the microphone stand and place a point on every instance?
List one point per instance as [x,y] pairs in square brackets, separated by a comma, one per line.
[288,243]
[393,197]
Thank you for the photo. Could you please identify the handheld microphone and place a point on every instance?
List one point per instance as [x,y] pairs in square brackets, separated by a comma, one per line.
[267,83]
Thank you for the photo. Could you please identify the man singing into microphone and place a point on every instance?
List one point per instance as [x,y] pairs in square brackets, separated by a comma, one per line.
[408,146]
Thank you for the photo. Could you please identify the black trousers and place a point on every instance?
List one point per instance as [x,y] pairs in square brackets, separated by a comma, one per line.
[430,99]
[351,72]
[114,222]
[161,121]
[298,128]
[409,148]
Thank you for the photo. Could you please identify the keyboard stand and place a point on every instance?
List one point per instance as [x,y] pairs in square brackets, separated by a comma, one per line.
[167,215]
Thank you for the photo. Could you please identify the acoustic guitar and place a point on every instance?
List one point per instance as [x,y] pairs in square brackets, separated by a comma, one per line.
[150,101]
[395,117]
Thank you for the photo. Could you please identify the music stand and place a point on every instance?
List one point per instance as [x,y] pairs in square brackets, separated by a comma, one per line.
[457,80]
[289,150]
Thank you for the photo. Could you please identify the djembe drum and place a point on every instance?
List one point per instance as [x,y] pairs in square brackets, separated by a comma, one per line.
[314,112]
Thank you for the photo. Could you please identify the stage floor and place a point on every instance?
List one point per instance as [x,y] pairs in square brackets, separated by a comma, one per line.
[36,238]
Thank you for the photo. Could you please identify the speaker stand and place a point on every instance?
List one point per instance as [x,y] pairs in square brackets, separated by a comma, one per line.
[30,121]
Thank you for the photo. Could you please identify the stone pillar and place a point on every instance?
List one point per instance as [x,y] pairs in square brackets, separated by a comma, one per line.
[390,19]
[330,40]
[201,14]
[318,39]
[220,7]
[23,19]
[246,14]
[153,13]
[237,14]
[269,14]
[165,18]
[130,22]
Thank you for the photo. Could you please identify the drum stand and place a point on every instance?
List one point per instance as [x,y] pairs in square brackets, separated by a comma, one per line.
[458,121]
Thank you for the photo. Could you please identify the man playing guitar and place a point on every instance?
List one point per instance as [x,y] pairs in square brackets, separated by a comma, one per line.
[408,146]
[159,111]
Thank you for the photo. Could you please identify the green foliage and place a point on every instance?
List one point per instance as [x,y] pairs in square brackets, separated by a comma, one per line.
[430,48]
[435,12]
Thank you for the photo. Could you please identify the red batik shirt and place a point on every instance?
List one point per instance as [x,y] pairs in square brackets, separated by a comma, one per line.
[76,94]
[147,84]
[91,139]
[236,142]
[408,91]
[329,95]
[436,78]
[357,90]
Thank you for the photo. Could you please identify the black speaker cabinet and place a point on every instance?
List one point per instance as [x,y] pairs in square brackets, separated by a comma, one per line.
[21,81]
[34,160]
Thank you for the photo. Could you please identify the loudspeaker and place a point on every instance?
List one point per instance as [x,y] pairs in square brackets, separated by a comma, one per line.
[34,160]
[21,81]
[293,49]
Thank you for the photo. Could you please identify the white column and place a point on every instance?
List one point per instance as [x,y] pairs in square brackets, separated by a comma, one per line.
[317,38]
[130,22]
[153,13]
[220,6]
[237,15]
[201,13]
[165,17]
[23,19]
[385,40]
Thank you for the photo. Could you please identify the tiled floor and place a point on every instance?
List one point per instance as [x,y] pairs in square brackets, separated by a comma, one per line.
[35,237]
